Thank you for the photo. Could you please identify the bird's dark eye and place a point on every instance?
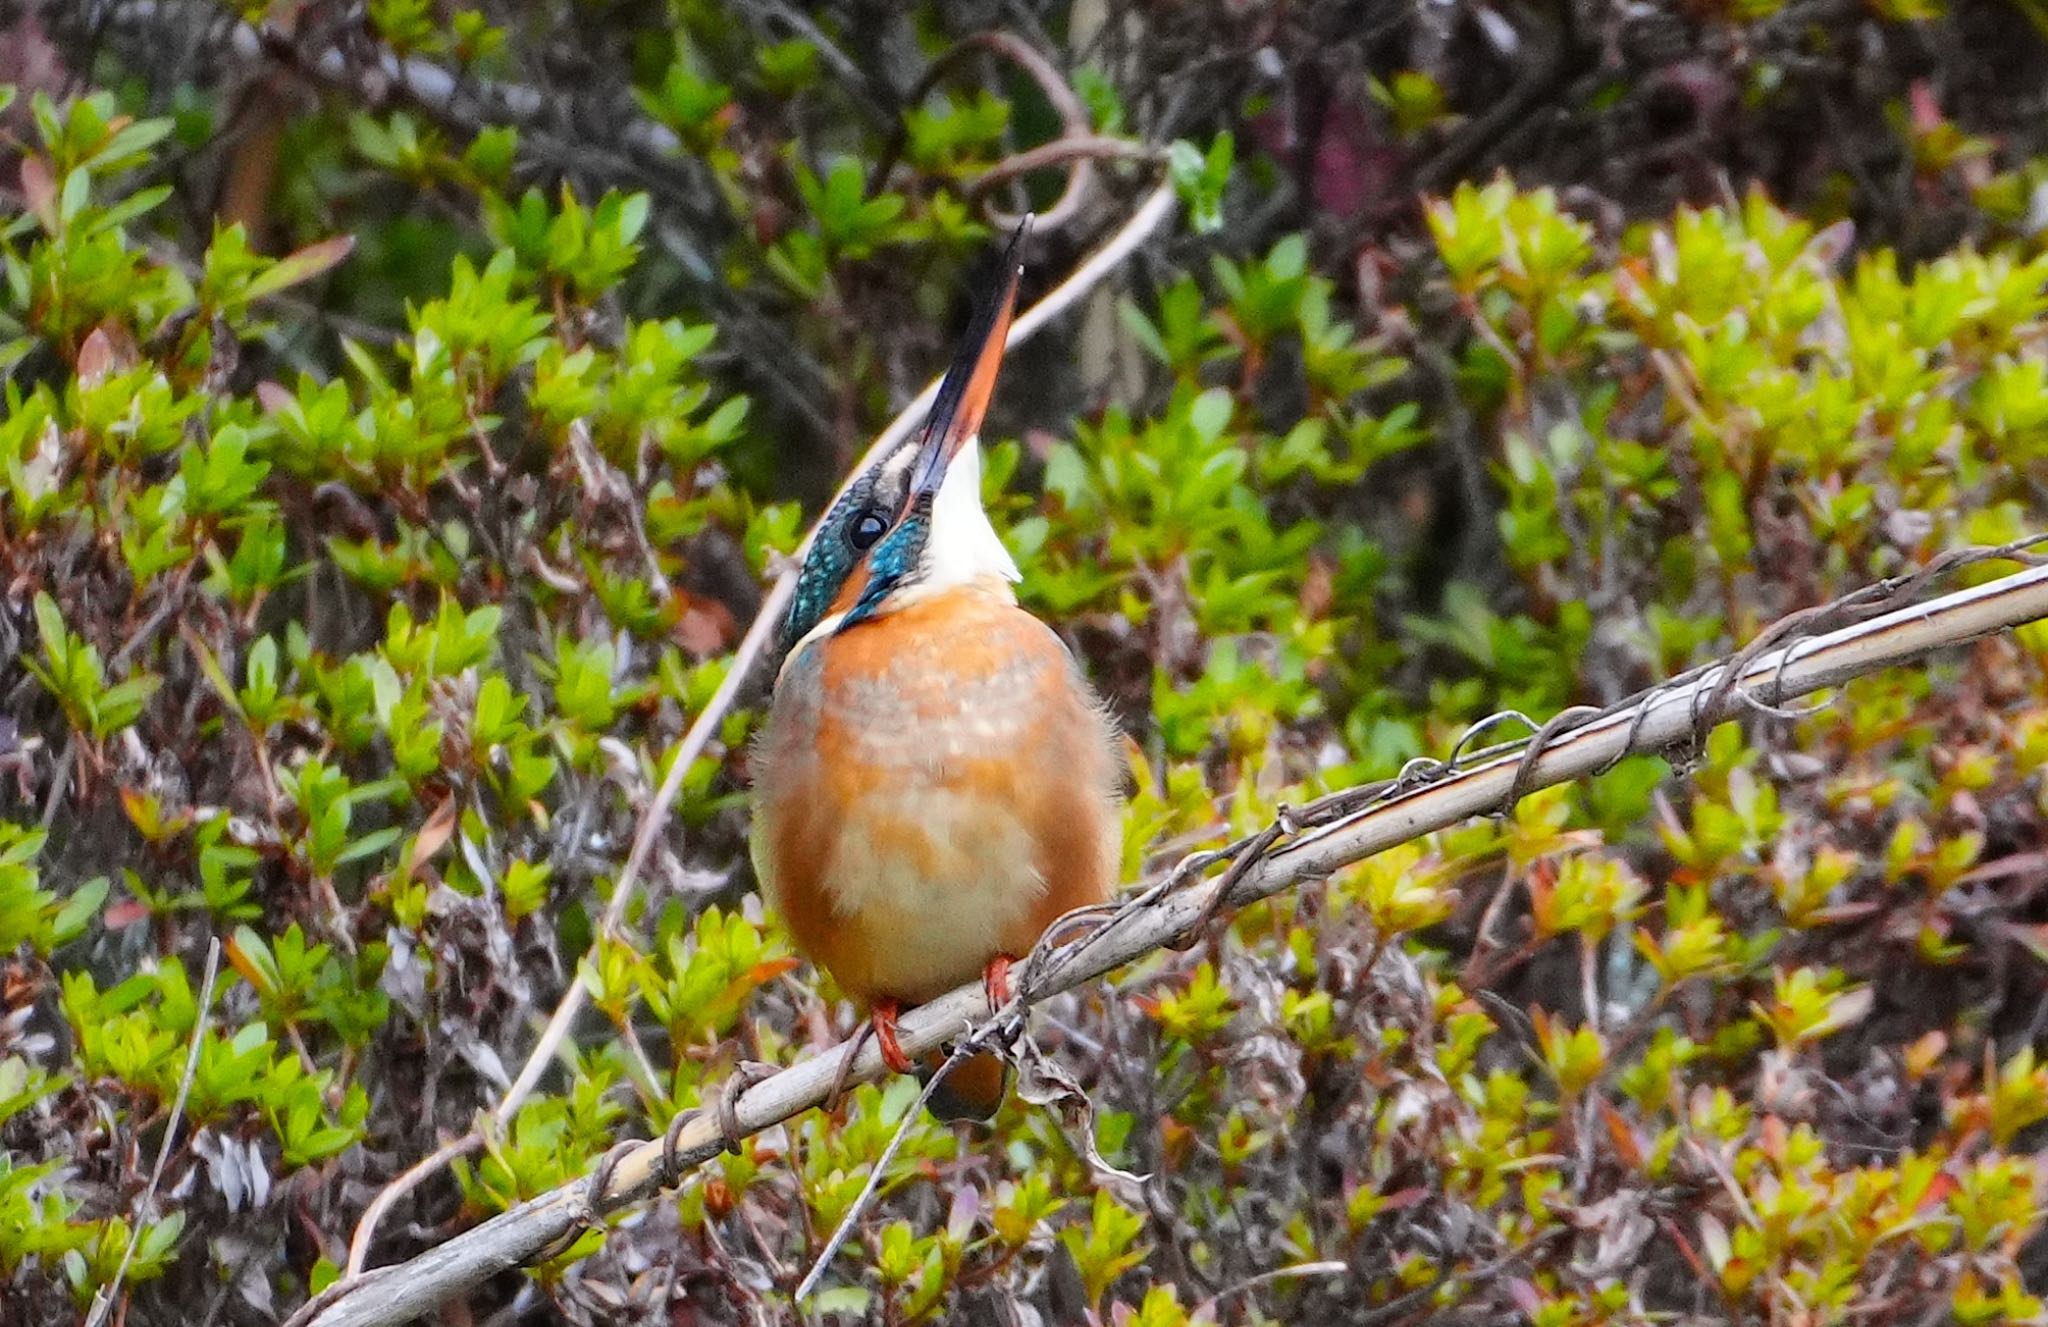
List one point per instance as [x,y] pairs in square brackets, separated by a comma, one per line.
[866,530]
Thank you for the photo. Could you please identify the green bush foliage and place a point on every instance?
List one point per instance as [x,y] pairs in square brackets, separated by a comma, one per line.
[362,575]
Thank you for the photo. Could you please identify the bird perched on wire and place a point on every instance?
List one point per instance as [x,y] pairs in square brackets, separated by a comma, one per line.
[937,782]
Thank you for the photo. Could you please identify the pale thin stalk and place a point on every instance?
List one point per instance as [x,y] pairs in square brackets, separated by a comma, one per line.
[876,1175]
[1084,279]
[103,1299]
[1142,224]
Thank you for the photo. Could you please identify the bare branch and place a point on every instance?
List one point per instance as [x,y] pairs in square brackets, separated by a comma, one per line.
[1388,816]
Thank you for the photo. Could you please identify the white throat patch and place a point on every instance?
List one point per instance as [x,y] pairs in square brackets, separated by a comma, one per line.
[963,546]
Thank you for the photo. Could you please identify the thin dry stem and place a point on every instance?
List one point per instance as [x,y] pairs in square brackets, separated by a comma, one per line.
[103,1300]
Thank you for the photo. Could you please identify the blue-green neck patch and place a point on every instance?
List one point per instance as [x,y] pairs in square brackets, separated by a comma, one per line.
[831,560]
[895,561]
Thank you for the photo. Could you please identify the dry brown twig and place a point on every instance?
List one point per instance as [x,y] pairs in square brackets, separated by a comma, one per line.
[1327,835]
[1143,223]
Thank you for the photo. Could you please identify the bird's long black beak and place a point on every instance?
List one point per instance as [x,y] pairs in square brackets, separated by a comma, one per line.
[964,395]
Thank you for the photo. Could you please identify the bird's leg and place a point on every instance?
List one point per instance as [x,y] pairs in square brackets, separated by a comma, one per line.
[884,1019]
[995,981]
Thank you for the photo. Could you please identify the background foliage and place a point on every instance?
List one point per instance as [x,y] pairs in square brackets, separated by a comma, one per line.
[405,400]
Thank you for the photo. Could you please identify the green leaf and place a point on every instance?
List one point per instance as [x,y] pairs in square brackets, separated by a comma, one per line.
[370,844]
[79,910]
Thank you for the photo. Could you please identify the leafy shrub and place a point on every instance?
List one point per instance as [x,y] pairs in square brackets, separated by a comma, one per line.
[368,553]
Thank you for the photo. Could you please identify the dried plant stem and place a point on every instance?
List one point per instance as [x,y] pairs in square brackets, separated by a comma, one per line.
[1060,151]
[104,1298]
[878,1172]
[1074,129]
[1143,223]
[1649,723]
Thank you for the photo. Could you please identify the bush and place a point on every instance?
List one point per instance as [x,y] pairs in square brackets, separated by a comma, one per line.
[368,548]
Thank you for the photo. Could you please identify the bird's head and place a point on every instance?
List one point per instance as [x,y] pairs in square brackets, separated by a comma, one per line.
[912,524]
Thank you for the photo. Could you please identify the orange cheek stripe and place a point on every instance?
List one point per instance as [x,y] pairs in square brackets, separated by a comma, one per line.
[850,593]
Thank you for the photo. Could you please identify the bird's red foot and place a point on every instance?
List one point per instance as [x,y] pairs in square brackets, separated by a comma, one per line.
[885,1037]
[995,981]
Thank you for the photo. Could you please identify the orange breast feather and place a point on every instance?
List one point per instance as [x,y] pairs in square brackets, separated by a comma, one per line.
[934,787]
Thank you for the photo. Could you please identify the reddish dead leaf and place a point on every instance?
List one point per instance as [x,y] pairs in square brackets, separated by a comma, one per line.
[95,359]
[1039,443]
[1541,882]
[125,913]
[1175,1141]
[1623,1134]
[434,835]
[19,985]
[1319,587]
[1939,1191]
[1925,108]
[40,188]
[1355,165]
[108,350]
[274,397]
[706,628]
[763,973]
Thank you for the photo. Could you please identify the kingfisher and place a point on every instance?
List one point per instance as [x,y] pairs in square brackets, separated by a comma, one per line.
[936,782]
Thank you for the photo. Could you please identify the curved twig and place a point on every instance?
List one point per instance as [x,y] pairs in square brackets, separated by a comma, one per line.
[1146,220]
[1058,152]
[1066,103]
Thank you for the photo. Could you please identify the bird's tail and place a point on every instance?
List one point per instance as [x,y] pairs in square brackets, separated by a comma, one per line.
[973,1091]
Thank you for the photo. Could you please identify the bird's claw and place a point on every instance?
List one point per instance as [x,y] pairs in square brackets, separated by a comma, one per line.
[995,981]
[885,1038]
